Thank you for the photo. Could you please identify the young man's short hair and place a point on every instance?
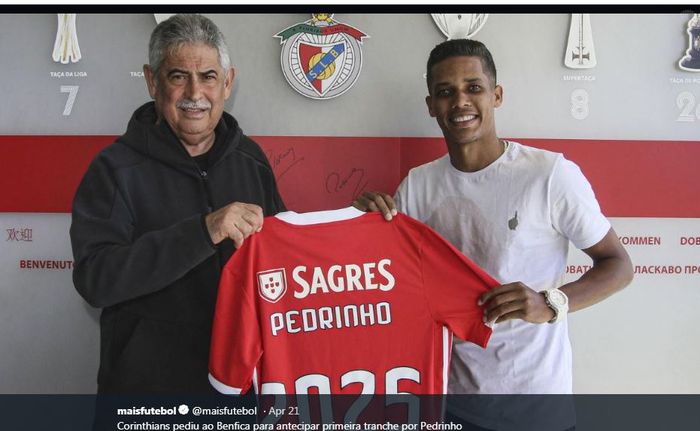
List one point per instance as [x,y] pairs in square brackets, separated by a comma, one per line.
[461,48]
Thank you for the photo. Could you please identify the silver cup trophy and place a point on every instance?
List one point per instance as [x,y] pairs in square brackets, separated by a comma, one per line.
[691,61]
[580,52]
[459,25]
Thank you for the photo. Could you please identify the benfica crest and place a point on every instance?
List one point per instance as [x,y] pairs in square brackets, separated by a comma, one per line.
[321,58]
[272,284]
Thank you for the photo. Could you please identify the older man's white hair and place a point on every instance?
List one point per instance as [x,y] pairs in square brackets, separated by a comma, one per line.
[182,29]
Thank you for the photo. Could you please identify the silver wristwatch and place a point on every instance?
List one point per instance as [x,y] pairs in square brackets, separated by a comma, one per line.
[557,301]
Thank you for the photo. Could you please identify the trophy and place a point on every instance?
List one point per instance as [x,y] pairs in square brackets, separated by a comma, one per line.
[160,17]
[459,25]
[580,53]
[691,61]
[66,49]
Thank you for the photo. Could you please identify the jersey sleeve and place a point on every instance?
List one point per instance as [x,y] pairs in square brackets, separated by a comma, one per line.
[236,346]
[453,284]
[574,209]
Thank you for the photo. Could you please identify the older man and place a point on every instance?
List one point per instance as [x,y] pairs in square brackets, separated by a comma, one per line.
[160,211]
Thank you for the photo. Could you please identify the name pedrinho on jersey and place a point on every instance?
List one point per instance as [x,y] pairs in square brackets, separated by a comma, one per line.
[343,302]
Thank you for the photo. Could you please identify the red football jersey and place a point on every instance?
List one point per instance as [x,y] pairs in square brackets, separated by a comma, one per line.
[348,304]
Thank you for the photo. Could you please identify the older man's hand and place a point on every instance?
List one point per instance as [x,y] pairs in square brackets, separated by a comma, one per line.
[236,221]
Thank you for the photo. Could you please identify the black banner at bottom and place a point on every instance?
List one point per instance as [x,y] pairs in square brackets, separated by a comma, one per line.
[347,413]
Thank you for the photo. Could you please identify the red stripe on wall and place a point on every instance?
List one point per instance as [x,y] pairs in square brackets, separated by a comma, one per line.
[316,173]
[637,178]
[41,173]
[630,178]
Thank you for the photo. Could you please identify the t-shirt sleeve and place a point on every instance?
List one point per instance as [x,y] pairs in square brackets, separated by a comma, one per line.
[453,284]
[236,346]
[401,196]
[574,209]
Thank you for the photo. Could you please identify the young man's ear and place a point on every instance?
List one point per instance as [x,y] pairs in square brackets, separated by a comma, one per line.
[429,103]
[498,94]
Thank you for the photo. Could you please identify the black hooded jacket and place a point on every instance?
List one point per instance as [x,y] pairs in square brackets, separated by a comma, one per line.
[142,251]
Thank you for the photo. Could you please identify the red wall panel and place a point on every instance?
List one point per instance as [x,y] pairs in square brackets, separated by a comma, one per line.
[630,178]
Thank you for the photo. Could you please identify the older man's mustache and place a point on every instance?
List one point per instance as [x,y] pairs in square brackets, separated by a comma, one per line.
[192,104]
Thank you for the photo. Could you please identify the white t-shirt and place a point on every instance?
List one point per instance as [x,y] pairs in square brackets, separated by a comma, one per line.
[514,219]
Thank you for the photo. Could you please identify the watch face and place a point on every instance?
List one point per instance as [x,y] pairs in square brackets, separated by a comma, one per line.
[557,298]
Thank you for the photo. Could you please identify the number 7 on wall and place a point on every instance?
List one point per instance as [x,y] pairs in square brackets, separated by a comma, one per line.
[72,91]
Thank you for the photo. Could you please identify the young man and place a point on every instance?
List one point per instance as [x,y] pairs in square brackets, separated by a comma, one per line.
[513,210]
